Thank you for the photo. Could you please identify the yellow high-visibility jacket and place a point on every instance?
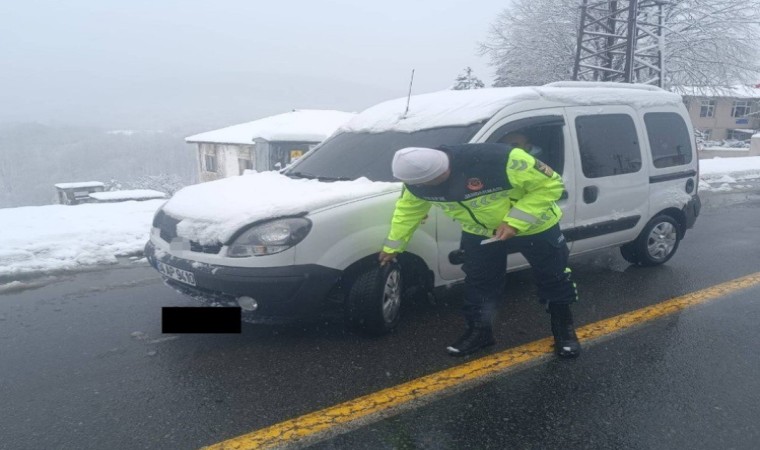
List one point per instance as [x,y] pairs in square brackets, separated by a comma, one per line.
[489,184]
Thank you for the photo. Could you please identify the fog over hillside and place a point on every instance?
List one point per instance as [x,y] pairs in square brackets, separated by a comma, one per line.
[34,157]
[193,101]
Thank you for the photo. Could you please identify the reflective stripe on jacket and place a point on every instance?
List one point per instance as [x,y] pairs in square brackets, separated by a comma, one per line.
[489,184]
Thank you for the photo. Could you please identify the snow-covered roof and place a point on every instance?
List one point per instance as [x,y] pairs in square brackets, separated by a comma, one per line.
[213,211]
[450,107]
[128,194]
[738,91]
[82,184]
[306,125]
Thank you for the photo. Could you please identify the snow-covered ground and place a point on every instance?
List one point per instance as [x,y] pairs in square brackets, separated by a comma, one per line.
[728,174]
[39,240]
[43,239]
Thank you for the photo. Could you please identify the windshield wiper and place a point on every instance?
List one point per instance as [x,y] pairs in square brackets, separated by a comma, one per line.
[316,177]
[334,179]
[302,175]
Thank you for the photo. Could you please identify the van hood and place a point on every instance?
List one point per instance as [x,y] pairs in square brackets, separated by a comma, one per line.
[212,212]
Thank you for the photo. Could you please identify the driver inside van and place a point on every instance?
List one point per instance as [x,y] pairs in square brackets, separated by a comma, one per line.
[519,140]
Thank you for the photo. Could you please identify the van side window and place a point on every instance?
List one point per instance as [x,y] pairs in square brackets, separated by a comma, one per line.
[608,145]
[669,139]
[542,137]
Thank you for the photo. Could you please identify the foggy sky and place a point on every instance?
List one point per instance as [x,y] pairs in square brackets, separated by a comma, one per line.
[157,64]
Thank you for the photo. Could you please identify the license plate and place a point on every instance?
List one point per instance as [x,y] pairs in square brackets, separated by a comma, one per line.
[175,273]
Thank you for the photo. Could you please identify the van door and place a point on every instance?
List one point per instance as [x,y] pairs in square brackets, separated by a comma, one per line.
[612,179]
[673,173]
[548,136]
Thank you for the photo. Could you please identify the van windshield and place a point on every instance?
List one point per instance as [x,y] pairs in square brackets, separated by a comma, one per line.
[352,155]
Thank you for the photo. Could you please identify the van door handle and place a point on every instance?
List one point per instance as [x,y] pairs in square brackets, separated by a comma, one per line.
[590,193]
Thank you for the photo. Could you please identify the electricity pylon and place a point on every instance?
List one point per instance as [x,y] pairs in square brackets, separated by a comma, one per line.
[621,41]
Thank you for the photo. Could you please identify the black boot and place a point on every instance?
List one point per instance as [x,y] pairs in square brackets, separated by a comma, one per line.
[473,339]
[566,343]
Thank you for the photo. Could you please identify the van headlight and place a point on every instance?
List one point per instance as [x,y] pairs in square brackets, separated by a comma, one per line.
[270,237]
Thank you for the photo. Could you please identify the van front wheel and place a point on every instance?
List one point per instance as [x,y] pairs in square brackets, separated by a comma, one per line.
[374,299]
[656,244]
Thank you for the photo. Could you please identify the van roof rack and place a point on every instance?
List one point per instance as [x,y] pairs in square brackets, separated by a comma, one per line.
[602,84]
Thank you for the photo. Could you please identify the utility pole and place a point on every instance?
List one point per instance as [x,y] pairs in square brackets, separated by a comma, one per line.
[621,40]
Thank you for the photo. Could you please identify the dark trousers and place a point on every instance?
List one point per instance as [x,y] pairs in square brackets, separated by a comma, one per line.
[485,268]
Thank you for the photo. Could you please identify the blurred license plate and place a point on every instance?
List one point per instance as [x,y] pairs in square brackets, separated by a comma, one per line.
[176,274]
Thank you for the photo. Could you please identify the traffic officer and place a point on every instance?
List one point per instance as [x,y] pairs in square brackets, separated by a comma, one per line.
[505,200]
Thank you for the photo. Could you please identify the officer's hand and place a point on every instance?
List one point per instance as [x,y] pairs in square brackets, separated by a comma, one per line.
[504,232]
[385,258]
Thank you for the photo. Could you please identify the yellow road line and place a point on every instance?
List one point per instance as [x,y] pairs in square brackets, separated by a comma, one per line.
[384,402]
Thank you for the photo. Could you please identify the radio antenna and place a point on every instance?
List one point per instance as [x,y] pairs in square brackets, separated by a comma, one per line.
[409,97]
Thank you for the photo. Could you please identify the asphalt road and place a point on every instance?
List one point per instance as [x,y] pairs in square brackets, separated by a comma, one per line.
[83,363]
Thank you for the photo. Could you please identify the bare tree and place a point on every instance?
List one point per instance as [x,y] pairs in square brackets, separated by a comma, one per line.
[707,42]
[712,42]
[533,42]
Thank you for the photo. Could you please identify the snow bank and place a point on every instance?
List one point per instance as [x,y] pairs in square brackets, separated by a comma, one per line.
[59,237]
[212,212]
[726,174]
[720,166]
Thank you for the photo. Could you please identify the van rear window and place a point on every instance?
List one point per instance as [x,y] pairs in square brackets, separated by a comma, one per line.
[669,139]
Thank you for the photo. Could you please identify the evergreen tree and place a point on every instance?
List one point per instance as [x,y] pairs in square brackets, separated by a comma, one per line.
[467,80]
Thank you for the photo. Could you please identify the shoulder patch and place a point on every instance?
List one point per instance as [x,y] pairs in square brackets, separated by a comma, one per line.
[518,164]
[543,168]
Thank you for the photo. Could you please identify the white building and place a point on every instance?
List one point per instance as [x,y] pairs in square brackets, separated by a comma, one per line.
[724,113]
[264,144]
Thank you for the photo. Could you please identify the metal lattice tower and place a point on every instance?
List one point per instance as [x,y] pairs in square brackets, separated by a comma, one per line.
[621,41]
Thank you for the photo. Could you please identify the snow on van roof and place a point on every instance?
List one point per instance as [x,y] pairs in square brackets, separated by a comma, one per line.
[451,108]
[639,96]
[307,125]
[212,212]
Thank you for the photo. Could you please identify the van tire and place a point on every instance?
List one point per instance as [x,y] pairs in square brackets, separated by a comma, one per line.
[656,243]
[373,304]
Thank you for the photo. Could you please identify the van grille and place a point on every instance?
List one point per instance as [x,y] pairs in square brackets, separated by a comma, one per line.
[167,226]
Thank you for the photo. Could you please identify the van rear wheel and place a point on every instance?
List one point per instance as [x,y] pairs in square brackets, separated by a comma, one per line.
[373,304]
[656,244]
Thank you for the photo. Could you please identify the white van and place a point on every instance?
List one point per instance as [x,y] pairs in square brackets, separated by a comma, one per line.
[304,241]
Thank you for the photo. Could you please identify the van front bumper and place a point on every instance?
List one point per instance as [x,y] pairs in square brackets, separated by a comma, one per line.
[283,294]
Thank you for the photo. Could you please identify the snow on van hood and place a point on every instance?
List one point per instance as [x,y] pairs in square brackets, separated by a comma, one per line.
[212,212]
